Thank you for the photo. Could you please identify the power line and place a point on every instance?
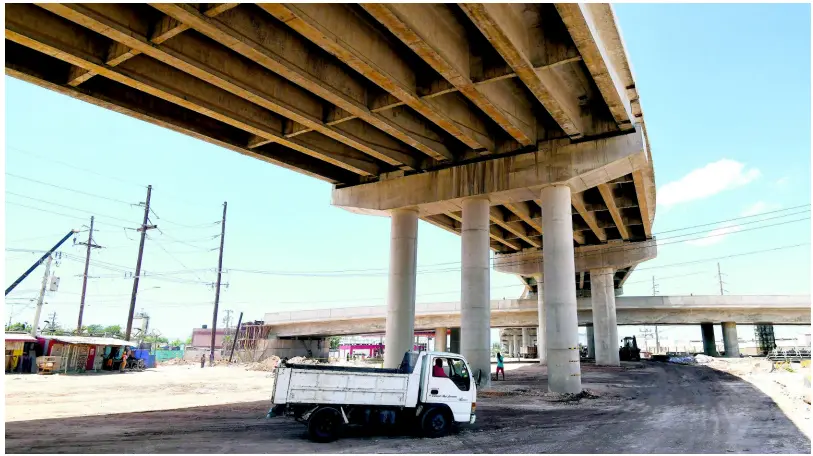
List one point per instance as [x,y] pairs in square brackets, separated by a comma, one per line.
[51,159]
[93,195]
[69,207]
[737,218]
[61,214]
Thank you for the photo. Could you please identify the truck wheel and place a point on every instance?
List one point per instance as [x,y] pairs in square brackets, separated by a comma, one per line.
[324,425]
[436,422]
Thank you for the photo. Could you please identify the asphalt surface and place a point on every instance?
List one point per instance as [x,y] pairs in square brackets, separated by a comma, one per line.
[645,408]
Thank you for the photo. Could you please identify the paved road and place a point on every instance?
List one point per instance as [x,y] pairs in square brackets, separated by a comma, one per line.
[659,408]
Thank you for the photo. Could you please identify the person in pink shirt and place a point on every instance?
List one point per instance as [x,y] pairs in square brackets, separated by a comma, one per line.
[437,369]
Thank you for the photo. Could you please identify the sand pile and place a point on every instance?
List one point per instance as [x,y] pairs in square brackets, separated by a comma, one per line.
[176,362]
[266,365]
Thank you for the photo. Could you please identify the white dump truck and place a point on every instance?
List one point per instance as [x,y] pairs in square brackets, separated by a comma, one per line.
[430,392]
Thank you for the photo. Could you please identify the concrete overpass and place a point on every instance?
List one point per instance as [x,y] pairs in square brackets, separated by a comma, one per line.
[518,313]
[498,122]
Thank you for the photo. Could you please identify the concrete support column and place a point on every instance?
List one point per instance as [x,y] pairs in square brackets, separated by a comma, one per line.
[591,342]
[541,341]
[515,345]
[605,329]
[454,340]
[709,347]
[562,324]
[401,292]
[730,340]
[526,338]
[475,303]
[440,339]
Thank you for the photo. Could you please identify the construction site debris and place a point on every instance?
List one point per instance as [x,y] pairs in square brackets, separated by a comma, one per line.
[703,359]
[177,362]
[303,360]
[266,365]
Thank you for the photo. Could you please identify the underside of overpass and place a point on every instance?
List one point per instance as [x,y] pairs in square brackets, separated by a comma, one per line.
[516,126]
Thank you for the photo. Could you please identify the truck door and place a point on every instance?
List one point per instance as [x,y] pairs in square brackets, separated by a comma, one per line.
[449,382]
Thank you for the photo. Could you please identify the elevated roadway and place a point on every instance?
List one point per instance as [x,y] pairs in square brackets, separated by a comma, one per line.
[633,310]
[517,126]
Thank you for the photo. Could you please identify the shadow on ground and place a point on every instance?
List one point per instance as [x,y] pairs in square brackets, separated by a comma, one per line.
[638,408]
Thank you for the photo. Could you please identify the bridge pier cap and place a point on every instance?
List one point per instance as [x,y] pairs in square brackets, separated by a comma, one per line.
[505,179]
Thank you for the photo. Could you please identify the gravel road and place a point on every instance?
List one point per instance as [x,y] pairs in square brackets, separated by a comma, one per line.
[645,408]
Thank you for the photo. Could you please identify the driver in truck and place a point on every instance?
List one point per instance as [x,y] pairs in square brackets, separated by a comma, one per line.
[437,370]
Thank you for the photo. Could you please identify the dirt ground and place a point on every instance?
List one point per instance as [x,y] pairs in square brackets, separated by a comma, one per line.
[638,408]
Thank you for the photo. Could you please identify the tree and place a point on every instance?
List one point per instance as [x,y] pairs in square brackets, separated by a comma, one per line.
[114,330]
[177,343]
[94,329]
[19,327]
[188,341]
[335,341]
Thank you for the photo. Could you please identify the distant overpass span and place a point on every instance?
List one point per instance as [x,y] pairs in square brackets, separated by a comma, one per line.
[632,310]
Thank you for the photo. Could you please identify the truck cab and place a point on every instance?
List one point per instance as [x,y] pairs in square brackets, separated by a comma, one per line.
[431,391]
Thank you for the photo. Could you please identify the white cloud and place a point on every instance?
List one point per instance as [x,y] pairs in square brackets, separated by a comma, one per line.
[715,236]
[707,181]
[782,182]
[758,208]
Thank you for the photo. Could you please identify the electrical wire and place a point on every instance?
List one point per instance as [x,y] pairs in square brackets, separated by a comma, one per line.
[94,213]
[70,165]
[93,195]
[61,214]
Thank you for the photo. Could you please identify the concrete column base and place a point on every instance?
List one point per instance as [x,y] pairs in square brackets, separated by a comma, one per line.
[401,289]
[591,342]
[475,302]
[440,339]
[559,270]
[709,346]
[730,340]
[454,340]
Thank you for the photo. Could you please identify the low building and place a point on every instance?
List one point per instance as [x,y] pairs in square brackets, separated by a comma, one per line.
[80,353]
[18,344]
[202,337]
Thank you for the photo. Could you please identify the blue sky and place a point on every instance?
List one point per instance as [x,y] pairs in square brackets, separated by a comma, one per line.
[727,111]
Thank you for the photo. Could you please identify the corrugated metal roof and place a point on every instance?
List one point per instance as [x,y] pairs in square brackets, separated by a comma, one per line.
[12,337]
[90,340]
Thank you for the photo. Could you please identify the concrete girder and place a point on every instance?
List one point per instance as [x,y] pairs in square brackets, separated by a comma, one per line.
[433,32]
[496,216]
[164,114]
[215,66]
[495,233]
[523,212]
[594,31]
[503,25]
[285,54]
[508,179]
[166,28]
[609,200]
[577,199]
[337,30]
[616,255]
[173,85]
[644,195]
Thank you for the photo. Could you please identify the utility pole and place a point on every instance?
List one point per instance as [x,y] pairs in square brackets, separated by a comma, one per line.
[720,278]
[654,287]
[42,296]
[657,341]
[90,245]
[236,333]
[217,286]
[143,229]
[52,323]
[227,318]
[646,334]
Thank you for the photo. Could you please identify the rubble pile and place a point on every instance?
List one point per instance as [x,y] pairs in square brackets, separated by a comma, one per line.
[176,362]
[302,360]
[266,365]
